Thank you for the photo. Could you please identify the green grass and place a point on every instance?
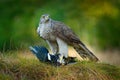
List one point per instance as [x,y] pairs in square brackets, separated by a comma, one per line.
[22,65]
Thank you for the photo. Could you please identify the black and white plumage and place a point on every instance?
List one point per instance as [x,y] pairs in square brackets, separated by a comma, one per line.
[42,54]
[59,36]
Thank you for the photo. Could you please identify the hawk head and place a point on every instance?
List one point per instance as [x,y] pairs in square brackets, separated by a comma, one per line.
[44,18]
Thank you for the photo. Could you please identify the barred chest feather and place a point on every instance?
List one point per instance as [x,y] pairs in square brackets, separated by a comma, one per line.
[45,31]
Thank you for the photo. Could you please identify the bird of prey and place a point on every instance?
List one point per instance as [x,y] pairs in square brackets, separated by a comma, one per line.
[59,36]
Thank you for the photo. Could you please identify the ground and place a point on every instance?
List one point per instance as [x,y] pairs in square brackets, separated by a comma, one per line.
[23,65]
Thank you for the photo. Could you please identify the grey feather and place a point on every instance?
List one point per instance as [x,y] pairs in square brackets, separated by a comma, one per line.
[51,30]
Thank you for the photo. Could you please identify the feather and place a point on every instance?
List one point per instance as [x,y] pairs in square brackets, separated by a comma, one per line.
[66,34]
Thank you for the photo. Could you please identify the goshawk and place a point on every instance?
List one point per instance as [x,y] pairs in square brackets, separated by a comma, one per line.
[59,36]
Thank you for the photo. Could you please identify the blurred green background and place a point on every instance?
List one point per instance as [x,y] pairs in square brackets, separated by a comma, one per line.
[96,22]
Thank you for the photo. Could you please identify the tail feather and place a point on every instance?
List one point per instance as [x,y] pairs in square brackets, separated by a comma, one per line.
[84,52]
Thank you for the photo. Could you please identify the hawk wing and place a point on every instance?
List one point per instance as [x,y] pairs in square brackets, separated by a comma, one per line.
[64,32]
